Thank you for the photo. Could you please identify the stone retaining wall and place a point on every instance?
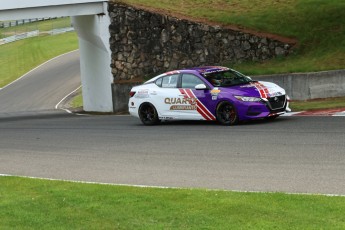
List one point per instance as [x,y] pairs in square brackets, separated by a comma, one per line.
[144,44]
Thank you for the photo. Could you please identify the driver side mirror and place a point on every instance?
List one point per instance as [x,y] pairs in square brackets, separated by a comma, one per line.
[200,87]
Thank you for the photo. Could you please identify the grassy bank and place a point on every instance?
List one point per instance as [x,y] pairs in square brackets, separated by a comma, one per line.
[319,27]
[41,204]
[19,57]
[327,103]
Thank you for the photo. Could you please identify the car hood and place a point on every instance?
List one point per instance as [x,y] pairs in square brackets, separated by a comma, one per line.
[261,89]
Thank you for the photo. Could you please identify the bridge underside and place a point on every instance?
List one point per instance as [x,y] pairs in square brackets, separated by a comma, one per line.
[52,11]
[91,21]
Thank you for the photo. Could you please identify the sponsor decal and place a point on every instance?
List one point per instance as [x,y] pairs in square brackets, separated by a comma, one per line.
[166,118]
[190,102]
[181,103]
[173,100]
[201,108]
[275,94]
[215,93]
[144,93]
[263,90]
[265,93]
[248,86]
[183,107]
[215,69]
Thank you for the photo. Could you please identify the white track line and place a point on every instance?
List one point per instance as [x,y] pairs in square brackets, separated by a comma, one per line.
[56,107]
[338,114]
[58,104]
[166,187]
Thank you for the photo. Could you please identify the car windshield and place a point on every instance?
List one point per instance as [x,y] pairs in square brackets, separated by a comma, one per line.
[227,78]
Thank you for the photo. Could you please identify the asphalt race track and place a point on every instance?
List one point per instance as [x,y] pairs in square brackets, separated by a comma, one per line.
[42,88]
[291,154]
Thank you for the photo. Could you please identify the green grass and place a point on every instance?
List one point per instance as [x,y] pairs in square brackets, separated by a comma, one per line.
[39,25]
[77,101]
[19,57]
[318,25]
[328,103]
[42,204]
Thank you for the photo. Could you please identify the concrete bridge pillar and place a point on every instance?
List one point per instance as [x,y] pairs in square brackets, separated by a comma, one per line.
[96,76]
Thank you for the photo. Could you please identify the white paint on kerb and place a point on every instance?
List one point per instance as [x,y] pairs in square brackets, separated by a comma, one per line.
[58,104]
[339,114]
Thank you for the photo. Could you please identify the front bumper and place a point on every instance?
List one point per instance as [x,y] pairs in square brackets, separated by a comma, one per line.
[274,106]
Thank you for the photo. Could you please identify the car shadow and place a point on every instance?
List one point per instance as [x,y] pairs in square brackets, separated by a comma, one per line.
[216,123]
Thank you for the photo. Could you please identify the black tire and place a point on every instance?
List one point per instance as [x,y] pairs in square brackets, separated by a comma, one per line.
[226,113]
[148,114]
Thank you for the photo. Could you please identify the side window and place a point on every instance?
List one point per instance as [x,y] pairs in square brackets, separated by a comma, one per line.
[159,82]
[170,81]
[190,81]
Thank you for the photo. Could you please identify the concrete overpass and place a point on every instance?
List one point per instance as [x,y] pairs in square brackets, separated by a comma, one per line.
[91,21]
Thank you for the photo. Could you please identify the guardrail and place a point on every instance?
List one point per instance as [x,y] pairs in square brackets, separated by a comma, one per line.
[61,30]
[18,37]
[34,33]
[6,24]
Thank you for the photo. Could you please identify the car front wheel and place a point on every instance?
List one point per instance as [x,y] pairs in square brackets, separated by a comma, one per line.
[226,113]
[148,114]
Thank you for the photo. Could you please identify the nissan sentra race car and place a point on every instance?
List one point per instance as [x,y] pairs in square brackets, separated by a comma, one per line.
[206,93]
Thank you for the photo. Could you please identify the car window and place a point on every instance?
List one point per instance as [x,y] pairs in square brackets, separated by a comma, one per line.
[159,82]
[227,78]
[170,81]
[190,81]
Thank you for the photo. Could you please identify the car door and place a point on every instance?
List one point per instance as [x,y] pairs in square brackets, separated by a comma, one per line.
[198,99]
[165,96]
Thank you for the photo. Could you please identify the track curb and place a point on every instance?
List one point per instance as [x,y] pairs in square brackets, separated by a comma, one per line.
[339,112]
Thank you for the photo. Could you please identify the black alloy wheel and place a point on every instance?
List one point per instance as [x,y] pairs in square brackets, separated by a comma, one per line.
[226,114]
[148,114]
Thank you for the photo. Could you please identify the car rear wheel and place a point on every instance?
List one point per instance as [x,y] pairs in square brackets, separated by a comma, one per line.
[148,114]
[226,114]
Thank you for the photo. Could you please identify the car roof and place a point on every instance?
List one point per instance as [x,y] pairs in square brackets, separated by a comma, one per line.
[209,69]
[203,70]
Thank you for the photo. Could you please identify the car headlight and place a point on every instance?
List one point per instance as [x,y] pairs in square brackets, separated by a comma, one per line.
[248,99]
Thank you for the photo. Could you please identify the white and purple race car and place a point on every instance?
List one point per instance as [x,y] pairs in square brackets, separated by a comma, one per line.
[206,93]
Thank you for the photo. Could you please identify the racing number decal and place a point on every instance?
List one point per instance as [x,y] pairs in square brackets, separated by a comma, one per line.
[201,109]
